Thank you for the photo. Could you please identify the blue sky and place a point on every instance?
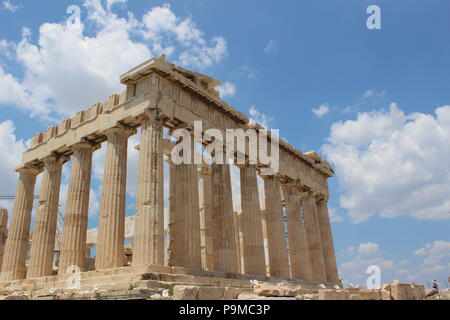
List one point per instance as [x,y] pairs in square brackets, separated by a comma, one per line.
[375,103]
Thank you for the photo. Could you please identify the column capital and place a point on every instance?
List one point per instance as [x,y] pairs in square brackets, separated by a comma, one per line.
[305,192]
[321,198]
[28,169]
[150,114]
[275,176]
[241,166]
[120,129]
[288,184]
[184,126]
[86,144]
[55,158]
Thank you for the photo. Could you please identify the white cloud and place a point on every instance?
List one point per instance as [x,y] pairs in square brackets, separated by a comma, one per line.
[436,261]
[8,5]
[89,58]
[11,150]
[435,252]
[248,72]
[368,254]
[390,163]
[260,118]
[321,111]
[164,27]
[271,47]
[368,249]
[334,216]
[227,89]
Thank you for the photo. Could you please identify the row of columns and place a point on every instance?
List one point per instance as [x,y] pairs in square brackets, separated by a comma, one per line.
[309,232]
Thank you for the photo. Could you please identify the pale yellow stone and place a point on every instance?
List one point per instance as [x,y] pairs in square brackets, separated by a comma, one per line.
[13,267]
[159,94]
[313,239]
[278,254]
[206,224]
[111,230]
[224,241]
[73,246]
[44,233]
[252,231]
[185,246]
[296,234]
[326,237]
[149,226]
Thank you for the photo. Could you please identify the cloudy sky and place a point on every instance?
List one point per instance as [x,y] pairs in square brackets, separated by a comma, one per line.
[375,103]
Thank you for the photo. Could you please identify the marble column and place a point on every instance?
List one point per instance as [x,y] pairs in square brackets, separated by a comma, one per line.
[44,232]
[327,242]
[148,242]
[111,226]
[313,238]
[252,230]
[296,233]
[3,233]
[224,243]
[278,254]
[185,249]
[206,228]
[16,248]
[237,238]
[73,243]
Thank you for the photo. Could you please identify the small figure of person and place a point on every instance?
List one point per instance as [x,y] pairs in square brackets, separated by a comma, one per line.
[436,287]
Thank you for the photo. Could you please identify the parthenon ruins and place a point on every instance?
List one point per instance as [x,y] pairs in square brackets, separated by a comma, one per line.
[289,237]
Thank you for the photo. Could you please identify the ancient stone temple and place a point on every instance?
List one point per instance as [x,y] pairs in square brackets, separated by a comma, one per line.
[283,233]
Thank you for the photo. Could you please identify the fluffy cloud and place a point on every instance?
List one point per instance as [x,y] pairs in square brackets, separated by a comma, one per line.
[11,150]
[390,163]
[8,5]
[258,117]
[165,29]
[368,249]
[435,263]
[227,89]
[321,111]
[436,252]
[71,58]
[368,254]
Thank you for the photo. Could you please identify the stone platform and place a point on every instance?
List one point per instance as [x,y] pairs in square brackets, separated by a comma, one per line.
[151,283]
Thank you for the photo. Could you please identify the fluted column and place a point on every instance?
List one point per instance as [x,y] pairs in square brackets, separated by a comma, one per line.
[206,228]
[3,233]
[185,247]
[111,227]
[252,231]
[224,243]
[313,238]
[73,243]
[327,242]
[237,238]
[14,261]
[44,232]
[296,233]
[148,242]
[278,254]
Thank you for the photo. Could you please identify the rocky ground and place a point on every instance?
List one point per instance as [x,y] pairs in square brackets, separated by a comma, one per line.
[160,290]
